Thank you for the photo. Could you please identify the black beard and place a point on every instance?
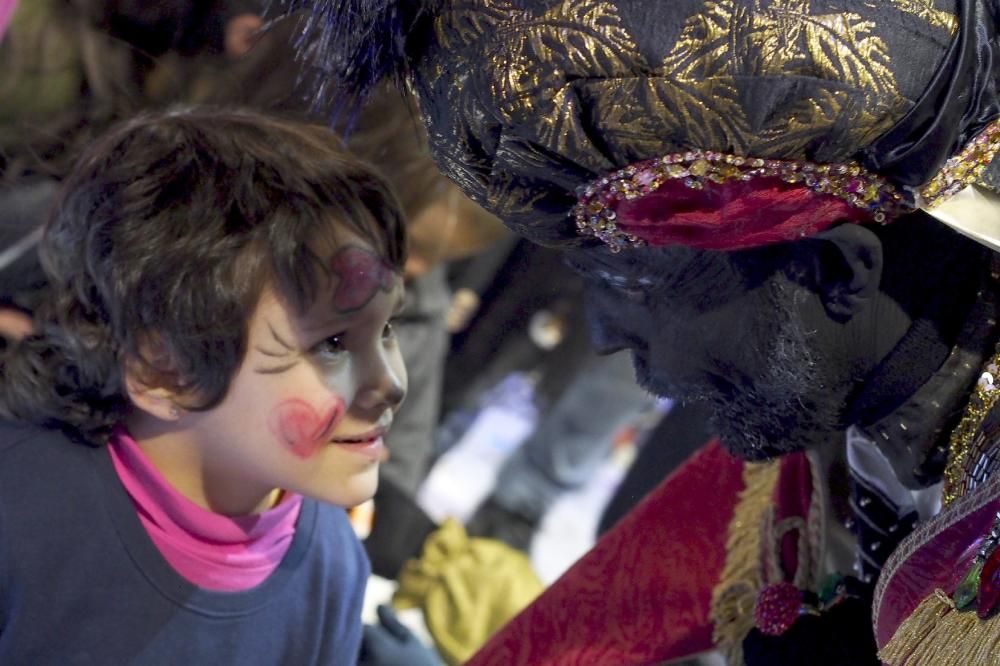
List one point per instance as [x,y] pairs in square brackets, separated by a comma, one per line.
[788,408]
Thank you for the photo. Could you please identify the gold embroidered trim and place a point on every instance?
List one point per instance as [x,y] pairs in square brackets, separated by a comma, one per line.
[964,444]
[595,213]
[734,596]
[965,168]
[850,182]
[908,640]
[939,634]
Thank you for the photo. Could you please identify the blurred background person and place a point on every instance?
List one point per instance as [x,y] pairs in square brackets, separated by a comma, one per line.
[68,69]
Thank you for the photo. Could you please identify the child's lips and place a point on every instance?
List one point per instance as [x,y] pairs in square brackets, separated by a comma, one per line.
[361,438]
[369,444]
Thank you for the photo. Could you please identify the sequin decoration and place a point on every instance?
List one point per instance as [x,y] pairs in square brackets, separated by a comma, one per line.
[778,607]
[963,169]
[972,441]
[968,590]
[595,213]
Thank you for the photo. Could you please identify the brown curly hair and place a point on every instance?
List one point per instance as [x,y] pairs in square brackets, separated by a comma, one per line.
[163,238]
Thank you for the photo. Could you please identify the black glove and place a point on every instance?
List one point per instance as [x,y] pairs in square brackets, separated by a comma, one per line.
[390,643]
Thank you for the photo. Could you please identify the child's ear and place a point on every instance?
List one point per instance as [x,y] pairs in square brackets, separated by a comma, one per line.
[146,386]
[156,401]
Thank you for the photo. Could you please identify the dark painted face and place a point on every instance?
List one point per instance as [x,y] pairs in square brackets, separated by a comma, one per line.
[703,326]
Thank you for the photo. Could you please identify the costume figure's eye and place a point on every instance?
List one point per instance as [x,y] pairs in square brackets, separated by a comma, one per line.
[329,348]
[634,294]
[389,332]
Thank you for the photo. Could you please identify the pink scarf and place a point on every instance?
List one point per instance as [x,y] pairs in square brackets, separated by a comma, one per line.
[212,551]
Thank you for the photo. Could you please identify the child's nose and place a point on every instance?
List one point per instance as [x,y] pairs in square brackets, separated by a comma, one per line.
[383,381]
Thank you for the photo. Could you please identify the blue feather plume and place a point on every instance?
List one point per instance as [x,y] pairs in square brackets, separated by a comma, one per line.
[350,46]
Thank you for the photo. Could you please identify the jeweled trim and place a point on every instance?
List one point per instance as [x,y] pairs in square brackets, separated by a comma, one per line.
[964,168]
[850,182]
[962,445]
[595,215]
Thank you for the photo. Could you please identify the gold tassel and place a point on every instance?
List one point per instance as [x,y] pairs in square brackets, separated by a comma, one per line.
[937,634]
[735,595]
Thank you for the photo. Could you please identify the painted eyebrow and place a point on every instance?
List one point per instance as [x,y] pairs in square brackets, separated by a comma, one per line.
[267,352]
[274,334]
[278,370]
[278,338]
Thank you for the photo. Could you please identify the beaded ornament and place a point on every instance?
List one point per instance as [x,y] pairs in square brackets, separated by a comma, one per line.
[850,182]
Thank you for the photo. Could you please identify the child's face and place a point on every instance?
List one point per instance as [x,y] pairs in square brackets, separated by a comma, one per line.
[307,409]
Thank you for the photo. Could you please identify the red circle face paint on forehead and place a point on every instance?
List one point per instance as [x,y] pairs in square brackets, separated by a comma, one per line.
[361,273]
[301,427]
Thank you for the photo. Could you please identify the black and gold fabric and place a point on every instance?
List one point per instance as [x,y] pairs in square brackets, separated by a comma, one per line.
[527,101]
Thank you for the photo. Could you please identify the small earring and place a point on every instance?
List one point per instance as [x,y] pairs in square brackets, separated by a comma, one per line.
[174,412]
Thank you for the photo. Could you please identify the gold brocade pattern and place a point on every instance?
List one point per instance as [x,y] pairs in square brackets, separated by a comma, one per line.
[532,53]
[731,39]
[536,52]
[520,94]
[925,10]
[695,88]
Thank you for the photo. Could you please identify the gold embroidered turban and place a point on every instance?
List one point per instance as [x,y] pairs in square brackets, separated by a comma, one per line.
[529,105]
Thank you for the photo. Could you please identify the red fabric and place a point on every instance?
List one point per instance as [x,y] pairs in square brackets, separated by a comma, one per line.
[946,546]
[642,594]
[732,215]
[792,497]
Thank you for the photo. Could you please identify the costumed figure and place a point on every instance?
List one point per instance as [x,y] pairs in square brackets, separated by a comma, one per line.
[754,190]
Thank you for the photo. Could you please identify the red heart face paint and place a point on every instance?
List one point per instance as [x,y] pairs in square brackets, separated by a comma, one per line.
[301,427]
[361,274]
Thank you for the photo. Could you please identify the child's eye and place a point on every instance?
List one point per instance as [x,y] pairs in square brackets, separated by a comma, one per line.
[389,332]
[330,347]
